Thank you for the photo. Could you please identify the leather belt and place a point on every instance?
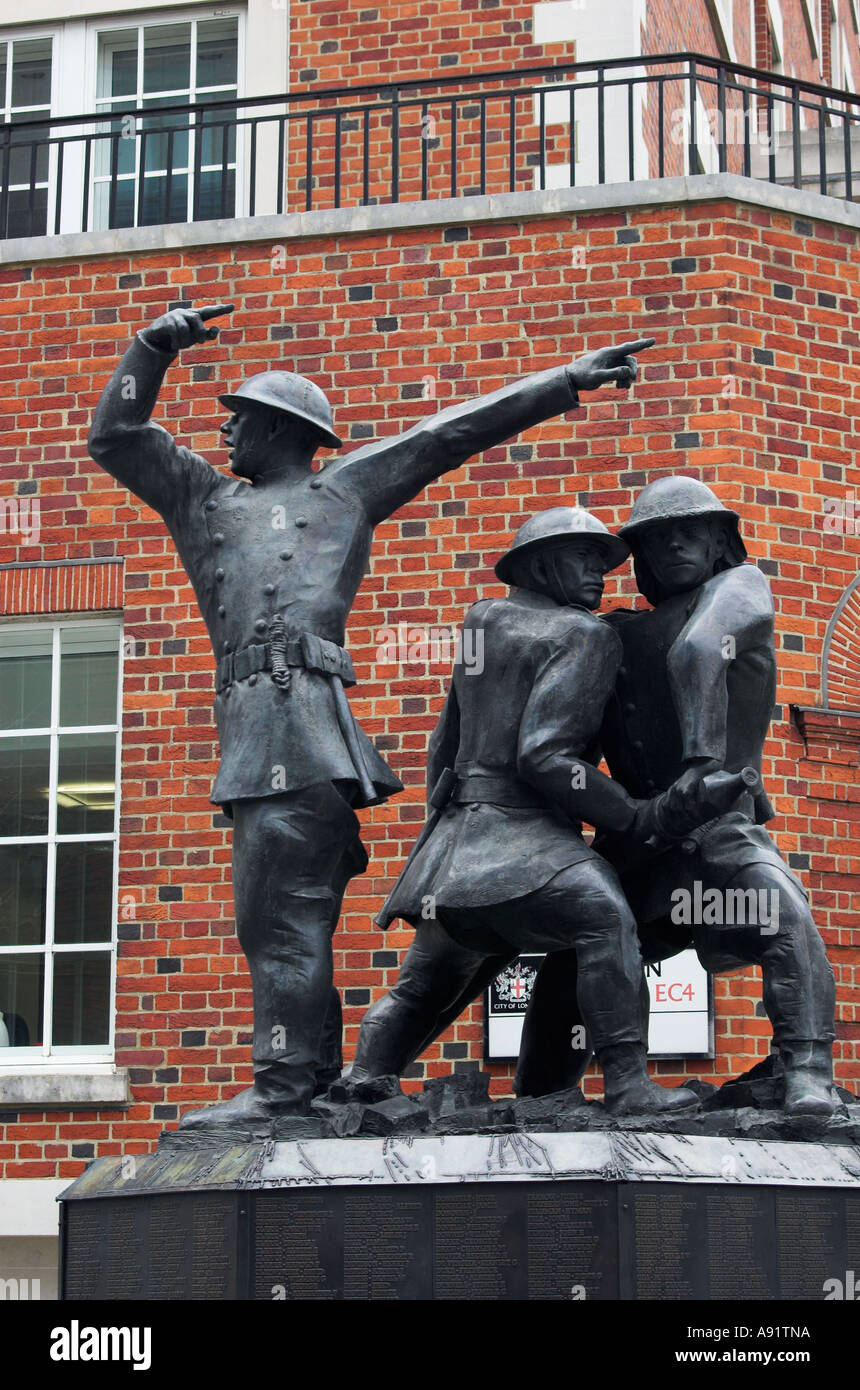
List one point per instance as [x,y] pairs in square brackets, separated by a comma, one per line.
[308,651]
[499,790]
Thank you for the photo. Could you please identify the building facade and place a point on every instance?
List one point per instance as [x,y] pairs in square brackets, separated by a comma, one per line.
[452,195]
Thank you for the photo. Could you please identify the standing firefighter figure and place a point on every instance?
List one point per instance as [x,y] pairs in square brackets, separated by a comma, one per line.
[276,556]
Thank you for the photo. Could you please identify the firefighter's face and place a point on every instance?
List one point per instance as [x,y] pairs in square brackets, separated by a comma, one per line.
[682,552]
[248,435]
[572,572]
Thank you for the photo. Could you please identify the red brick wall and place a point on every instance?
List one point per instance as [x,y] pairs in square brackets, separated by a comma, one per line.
[753,386]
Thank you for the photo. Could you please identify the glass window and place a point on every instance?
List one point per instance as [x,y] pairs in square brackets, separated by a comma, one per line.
[59,735]
[167,165]
[26,73]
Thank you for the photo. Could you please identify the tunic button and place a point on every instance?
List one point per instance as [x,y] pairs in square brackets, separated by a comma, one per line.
[211,506]
[226,646]
[252,680]
[286,555]
[221,611]
[260,625]
[622,671]
[315,483]
[638,745]
[218,538]
[650,785]
[219,575]
[301,521]
[268,588]
[226,691]
[475,806]
[629,708]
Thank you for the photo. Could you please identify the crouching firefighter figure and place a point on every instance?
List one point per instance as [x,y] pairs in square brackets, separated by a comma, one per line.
[694,697]
[501,866]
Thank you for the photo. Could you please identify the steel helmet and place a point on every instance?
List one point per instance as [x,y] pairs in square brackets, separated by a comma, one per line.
[556,525]
[290,394]
[668,498]
[677,497]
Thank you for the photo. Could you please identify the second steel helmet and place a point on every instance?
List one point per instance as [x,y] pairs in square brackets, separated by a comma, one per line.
[677,498]
[291,394]
[674,497]
[556,525]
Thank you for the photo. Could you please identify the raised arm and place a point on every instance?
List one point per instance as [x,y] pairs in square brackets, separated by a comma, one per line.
[126,442]
[733,618]
[390,472]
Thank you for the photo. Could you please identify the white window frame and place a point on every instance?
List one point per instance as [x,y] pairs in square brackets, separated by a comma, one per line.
[14,1059]
[13,36]
[145,19]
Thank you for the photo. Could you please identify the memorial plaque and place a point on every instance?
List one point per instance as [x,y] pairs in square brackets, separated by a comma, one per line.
[573,1241]
[662,1250]
[740,1231]
[814,1240]
[387,1244]
[297,1243]
[480,1242]
[180,1247]
[488,1235]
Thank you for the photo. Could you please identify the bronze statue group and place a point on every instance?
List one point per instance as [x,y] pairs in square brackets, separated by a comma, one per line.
[676,698]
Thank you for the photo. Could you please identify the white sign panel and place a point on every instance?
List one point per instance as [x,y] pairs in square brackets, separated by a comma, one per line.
[681,1008]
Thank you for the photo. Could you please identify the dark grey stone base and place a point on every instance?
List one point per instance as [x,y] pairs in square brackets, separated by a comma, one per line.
[589,1215]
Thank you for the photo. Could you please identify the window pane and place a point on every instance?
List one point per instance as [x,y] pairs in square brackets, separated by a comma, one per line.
[23,875]
[214,145]
[210,202]
[84,893]
[89,668]
[25,680]
[31,73]
[85,790]
[118,65]
[24,785]
[28,159]
[81,999]
[28,214]
[217,52]
[3,51]
[22,987]
[157,144]
[167,58]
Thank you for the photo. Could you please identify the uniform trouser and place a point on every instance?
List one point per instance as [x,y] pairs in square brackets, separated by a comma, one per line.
[293,855]
[798,990]
[453,958]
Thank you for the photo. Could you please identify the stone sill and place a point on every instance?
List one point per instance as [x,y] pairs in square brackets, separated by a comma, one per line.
[837,727]
[332,222]
[32,1089]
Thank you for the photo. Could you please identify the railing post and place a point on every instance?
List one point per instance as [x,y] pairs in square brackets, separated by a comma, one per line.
[822,150]
[601,132]
[693,151]
[5,154]
[395,146]
[846,140]
[797,160]
[721,116]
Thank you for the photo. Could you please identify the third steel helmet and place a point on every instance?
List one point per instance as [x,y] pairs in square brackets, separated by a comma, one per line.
[557,525]
[290,394]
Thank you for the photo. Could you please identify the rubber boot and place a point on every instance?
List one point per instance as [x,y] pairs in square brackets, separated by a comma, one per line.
[629,1090]
[808,1077]
[272,1095]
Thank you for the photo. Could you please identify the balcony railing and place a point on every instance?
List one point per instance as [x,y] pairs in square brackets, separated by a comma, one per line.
[579,124]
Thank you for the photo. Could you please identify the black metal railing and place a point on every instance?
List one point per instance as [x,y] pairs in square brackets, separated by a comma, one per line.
[495,132]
